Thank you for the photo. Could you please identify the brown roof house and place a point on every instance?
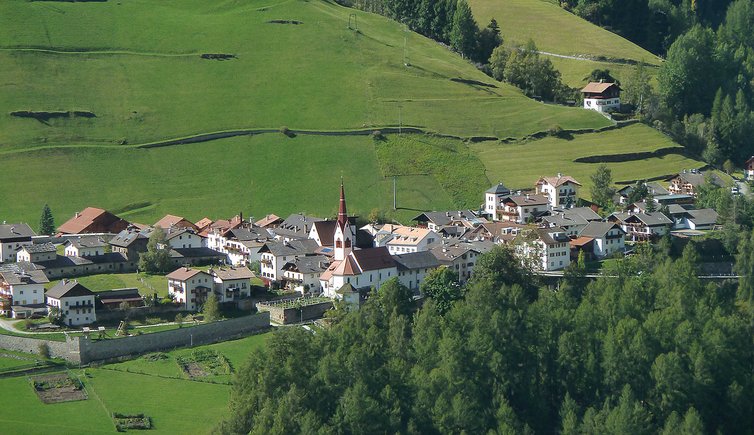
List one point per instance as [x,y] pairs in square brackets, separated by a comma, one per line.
[561,190]
[93,220]
[170,221]
[601,96]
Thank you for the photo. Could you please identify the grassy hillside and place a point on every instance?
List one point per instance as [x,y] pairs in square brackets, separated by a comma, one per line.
[257,175]
[136,65]
[555,30]
[520,165]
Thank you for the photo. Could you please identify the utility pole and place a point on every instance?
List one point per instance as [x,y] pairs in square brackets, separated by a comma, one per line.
[395,200]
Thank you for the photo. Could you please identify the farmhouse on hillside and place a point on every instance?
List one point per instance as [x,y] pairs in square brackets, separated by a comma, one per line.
[602,97]
[93,220]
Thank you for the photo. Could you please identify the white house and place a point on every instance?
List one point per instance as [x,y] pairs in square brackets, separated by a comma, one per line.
[561,191]
[690,218]
[86,246]
[749,169]
[601,96]
[181,238]
[22,293]
[413,267]
[547,249]
[36,253]
[492,198]
[302,273]
[608,237]
[75,302]
[275,254]
[232,284]
[522,208]
[642,226]
[461,256]
[12,237]
[241,245]
[190,287]
[410,239]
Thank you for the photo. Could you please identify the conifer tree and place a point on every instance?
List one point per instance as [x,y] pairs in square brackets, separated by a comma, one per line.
[46,222]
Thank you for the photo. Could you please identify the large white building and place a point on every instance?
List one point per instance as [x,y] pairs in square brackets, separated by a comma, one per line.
[492,198]
[608,237]
[190,287]
[22,293]
[359,267]
[561,190]
[547,249]
[75,302]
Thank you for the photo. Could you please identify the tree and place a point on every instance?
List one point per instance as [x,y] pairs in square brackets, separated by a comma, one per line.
[179,320]
[602,190]
[637,90]
[498,59]
[157,257]
[46,222]
[601,75]
[211,309]
[442,286]
[464,31]
[690,76]
[489,38]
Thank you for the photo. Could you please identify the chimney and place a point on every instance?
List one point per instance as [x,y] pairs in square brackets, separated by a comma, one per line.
[560,175]
[77,214]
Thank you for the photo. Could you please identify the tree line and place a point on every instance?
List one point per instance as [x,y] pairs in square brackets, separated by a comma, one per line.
[652,24]
[651,350]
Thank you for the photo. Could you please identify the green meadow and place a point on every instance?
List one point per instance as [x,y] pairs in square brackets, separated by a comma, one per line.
[555,30]
[136,65]
[519,165]
[175,403]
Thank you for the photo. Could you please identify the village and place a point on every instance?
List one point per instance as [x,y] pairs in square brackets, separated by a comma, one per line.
[315,259]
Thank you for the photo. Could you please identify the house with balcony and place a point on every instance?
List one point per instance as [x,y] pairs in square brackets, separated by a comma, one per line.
[190,287]
[302,273]
[492,198]
[241,245]
[602,97]
[546,249]
[644,226]
[274,254]
[37,253]
[688,182]
[12,237]
[85,246]
[522,208]
[75,302]
[22,292]
[461,256]
[561,190]
[232,283]
[609,238]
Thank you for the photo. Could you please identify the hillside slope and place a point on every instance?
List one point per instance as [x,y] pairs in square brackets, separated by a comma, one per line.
[557,31]
[137,66]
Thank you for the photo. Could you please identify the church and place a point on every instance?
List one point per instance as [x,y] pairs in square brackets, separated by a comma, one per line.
[353,267]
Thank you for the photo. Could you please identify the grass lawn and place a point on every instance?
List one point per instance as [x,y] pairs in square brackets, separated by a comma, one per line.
[190,407]
[10,360]
[236,351]
[555,30]
[520,165]
[136,65]
[304,177]
[147,284]
[573,71]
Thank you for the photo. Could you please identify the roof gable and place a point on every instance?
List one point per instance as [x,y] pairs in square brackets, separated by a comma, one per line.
[68,289]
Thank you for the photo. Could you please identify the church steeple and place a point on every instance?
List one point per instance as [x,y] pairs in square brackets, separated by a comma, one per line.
[342,214]
[342,239]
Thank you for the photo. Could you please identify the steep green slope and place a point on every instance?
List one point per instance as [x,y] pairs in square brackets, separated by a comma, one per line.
[136,65]
[557,31]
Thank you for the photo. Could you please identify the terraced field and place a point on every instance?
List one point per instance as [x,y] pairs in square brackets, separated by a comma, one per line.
[520,165]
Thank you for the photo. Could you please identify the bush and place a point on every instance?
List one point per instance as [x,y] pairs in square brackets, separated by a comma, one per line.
[555,130]
[44,350]
[377,135]
[287,131]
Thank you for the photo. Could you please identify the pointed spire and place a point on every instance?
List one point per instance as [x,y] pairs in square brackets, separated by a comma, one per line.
[342,214]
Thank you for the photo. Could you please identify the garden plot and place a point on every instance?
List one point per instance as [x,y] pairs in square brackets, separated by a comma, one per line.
[58,388]
[205,362]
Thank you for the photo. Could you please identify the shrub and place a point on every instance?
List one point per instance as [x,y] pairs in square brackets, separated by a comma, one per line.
[377,135]
[44,350]
[287,131]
